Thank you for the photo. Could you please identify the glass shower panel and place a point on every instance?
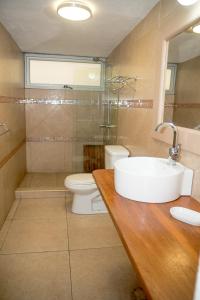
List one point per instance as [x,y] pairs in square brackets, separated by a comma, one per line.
[89,115]
[111,101]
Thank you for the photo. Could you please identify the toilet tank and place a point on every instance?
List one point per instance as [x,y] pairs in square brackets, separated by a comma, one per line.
[114,153]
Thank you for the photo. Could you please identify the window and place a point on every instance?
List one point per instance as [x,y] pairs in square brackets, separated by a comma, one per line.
[170,79]
[54,72]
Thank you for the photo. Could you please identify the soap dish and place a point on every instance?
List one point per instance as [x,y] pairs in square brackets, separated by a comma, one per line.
[185,215]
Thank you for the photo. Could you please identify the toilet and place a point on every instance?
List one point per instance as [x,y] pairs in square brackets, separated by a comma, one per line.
[86,196]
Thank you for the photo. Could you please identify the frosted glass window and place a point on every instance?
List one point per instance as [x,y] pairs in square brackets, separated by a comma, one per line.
[52,73]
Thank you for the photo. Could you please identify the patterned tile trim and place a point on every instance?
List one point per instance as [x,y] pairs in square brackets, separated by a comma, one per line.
[61,139]
[126,103]
[182,105]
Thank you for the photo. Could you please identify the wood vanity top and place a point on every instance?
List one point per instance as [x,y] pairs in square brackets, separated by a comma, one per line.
[164,251]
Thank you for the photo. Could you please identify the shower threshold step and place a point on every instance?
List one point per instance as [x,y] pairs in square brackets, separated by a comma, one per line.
[21,193]
[42,185]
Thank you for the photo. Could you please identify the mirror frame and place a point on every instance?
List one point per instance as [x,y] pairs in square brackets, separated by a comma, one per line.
[188,138]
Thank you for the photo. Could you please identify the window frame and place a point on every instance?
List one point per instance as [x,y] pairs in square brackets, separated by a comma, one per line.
[173,68]
[62,58]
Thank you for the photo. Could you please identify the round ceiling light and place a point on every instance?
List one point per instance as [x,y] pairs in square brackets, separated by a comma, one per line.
[74,11]
[187,2]
[196,29]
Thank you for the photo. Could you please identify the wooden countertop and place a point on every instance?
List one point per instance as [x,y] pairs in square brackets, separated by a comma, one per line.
[164,251]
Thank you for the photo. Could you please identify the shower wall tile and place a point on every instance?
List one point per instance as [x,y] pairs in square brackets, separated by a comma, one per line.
[60,94]
[56,133]
[11,87]
[48,157]
[49,120]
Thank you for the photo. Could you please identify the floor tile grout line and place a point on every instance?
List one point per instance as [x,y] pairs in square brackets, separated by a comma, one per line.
[70,269]
[54,251]
[70,274]
[61,250]
[96,248]
[33,252]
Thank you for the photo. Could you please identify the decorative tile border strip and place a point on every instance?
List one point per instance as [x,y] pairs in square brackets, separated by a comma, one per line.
[5,99]
[61,139]
[49,101]
[136,103]
[126,103]
[182,105]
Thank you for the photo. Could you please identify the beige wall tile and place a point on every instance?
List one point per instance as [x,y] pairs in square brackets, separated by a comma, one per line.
[140,54]
[46,157]
[44,120]
[12,79]
[10,176]
[12,86]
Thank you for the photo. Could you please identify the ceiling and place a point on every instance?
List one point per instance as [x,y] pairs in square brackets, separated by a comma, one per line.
[36,27]
[183,47]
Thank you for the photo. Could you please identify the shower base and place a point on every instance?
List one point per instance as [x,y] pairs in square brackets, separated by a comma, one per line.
[39,185]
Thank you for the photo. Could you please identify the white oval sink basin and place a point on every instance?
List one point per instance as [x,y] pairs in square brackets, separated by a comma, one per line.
[151,179]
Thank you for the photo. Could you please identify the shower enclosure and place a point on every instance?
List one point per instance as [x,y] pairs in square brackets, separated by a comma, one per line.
[65,126]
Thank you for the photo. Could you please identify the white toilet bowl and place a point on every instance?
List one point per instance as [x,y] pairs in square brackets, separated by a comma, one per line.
[86,196]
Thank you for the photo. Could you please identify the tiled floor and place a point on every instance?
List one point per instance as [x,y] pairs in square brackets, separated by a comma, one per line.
[46,252]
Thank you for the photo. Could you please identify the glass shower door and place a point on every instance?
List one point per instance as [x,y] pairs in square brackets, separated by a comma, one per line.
[95,124]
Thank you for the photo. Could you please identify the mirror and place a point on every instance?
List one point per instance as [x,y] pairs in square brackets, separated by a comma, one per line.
[182,80]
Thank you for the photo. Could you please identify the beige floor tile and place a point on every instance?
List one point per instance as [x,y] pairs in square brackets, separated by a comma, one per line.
[43,180]
[91,231]
[44,208]
[102,274]
[41,276]
[4,231]
[26,182]
[36,236]
[60,177]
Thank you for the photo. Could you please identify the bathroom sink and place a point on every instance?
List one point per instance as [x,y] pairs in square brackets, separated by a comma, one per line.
[151,179]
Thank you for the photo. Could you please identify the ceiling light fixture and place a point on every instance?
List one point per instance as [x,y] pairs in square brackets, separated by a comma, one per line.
[196,28]
[187,2]
[74,11]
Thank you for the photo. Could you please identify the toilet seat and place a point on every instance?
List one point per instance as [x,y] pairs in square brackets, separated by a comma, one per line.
[82,181]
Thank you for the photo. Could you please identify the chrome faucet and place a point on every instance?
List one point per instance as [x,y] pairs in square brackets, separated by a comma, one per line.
[174,151]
